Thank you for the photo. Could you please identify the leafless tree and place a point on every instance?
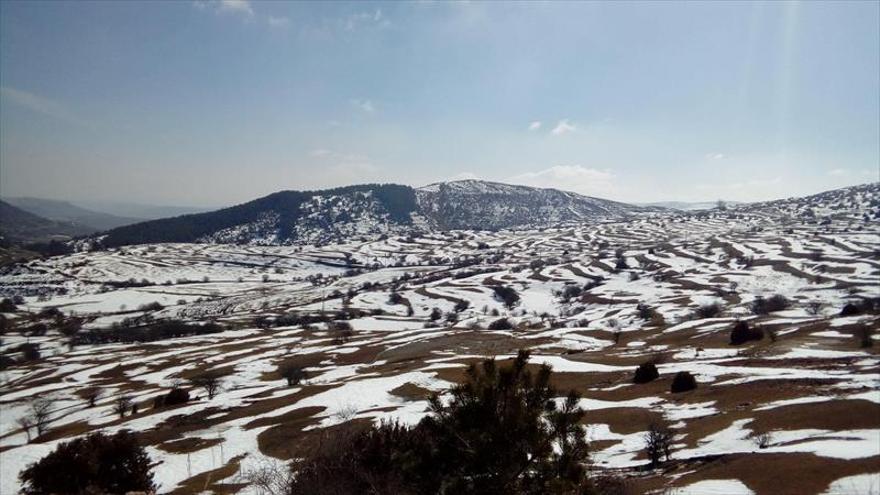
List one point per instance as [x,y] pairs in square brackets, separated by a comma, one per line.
[658,443]
[26,423]
[41,409]
[91,396]
[211,381]
[122,405]
[269,478]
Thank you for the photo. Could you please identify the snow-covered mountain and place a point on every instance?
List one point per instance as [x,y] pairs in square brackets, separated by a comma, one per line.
[476,204]
[373,210]
[316,217]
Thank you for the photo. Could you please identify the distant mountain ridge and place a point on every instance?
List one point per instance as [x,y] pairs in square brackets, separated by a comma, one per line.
[21,227]
[372,210]
[297,217]
[64,211]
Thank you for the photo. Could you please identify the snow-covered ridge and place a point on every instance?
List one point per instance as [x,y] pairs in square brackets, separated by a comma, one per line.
[476,204]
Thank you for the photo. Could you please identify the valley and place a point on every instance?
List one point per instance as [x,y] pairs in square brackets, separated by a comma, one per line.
[379,318]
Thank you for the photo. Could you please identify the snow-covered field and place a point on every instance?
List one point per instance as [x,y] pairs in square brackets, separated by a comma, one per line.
[809,384]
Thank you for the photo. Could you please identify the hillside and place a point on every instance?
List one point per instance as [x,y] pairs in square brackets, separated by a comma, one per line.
[63,211]
[475,204]
[21,227]
[284,218]
[334,215]
[378,325]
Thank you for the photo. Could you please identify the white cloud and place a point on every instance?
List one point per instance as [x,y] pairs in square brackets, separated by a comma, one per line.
[237,6]
[838,172]
[365,105]
[278,22]
[535,125]
[234,7]
[359,20]
[564,126]
[39,104]
[715,156]
[575,178]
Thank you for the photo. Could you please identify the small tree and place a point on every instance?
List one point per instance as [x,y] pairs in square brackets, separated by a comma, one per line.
[91,396]
[646,372]
[97,463]
[501,324]
[211,381]
[683,382]
[122,405]
[174,397]
[40,410]
[742,333]
[507,295]
[658,443]
[461,305]
[26,423]
[291,372]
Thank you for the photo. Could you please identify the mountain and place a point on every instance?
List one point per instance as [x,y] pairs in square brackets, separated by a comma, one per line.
[482,205]
[287,217]
[64,211]
[315,217]
[21,227]
[860,202]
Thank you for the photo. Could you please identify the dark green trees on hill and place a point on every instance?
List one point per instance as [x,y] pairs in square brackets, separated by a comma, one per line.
[503,431]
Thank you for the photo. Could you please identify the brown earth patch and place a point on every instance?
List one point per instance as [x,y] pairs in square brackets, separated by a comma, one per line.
[204,482]
[189,445]
[411,391]
[782,474]
[831,415]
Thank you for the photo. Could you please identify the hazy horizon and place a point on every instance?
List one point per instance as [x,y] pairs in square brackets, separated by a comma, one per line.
[209,104]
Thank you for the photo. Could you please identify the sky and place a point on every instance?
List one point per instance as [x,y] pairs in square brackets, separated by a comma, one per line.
[211,103]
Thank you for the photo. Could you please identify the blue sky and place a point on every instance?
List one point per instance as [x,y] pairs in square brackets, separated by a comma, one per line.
[213,103]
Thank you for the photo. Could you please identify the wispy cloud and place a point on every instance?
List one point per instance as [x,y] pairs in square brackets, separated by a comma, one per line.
[365,105]
[574,178]
[236,6]
[39,104]
[838,172]
[242,7]
[715,156]
[535,125]
[563,127]
[375,19]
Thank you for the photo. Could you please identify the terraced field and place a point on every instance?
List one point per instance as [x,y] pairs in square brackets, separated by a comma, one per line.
[392,320]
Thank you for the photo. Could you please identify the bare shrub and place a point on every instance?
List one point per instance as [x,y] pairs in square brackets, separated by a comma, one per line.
[710,310]
[91,396]
[292,372]
[762,440]
[122,405]
[211,381]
